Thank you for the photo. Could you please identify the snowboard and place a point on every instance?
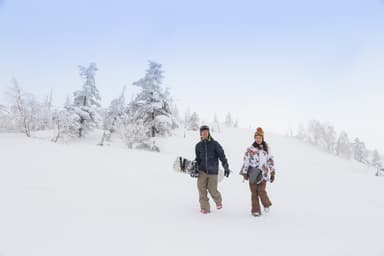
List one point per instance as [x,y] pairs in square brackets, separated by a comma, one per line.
[186,166]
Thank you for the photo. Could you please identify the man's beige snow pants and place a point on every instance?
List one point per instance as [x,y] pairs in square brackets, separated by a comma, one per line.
[208,183]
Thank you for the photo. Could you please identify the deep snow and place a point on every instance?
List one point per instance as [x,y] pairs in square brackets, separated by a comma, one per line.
[81,199]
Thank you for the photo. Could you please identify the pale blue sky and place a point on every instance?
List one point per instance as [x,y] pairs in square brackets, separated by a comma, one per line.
[271,63]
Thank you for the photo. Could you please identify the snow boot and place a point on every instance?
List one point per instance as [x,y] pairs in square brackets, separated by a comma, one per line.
[203,211]
[219,206]
[256,214]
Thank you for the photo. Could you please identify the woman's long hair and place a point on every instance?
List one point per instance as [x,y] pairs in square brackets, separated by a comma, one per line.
[263,145]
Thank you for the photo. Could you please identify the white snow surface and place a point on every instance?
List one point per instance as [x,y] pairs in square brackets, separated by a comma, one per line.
[76,198]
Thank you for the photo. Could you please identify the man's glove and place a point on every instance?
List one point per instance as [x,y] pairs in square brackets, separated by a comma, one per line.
[226,171]
[272,177]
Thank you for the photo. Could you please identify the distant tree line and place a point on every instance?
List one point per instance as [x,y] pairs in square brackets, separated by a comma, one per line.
[192,122]
[324,136]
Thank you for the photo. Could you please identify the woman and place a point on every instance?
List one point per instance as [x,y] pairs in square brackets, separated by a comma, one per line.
[258,168]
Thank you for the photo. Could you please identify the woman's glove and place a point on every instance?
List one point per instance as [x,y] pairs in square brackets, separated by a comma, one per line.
[272,176]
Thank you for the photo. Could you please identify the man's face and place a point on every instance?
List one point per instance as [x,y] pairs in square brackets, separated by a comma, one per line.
[204,134]
[259,139]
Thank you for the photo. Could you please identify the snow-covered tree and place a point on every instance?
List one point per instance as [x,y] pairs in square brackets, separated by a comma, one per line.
[26,112]
[6,121]
[315,132]
[176,118]
[67,123]
[302,133]
[323,135]
[3,109]
[113,117]
[343,146]
[68,102]
[320,134]
[151,106]
[228,120]
[215,127]
[193,123]
[24,108]
[136,136]
[329,137]
[133,131]
[47,112]
[187,117]
[360,152]
[376,160]
[19,107]
[89,95]
[236,124]
[86,102]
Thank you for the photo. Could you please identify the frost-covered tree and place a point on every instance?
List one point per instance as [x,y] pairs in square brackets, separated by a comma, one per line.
[68,102]
[6,121]
[193,123]
[360,152]
[67,123]
[113,117]
[187,117]
[329,138]
[19,108]
[343,146]
[86,102]
[26,112]
[47,112]
[24,108]
[302,133]
[176,118]
[136,136]
[89,95]
[323,135]
[133,131]
[376,160]
[151,107]
[215,127]
[228,120]
[315,132]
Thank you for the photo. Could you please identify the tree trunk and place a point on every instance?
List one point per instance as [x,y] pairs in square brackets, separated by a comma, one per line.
[153,126]
[81,128]
[56,138]
[26,127]
[101,143]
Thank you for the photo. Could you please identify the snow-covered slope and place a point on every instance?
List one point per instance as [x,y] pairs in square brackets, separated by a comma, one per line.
[80,199]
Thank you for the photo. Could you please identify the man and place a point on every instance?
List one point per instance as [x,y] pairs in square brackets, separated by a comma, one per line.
[208,153]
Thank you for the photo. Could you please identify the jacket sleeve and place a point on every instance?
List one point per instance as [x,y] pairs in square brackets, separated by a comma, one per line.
[245,167]
[197,159]
[271,161]
[221,154]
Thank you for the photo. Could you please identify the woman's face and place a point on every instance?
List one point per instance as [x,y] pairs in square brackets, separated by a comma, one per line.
[259,139]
